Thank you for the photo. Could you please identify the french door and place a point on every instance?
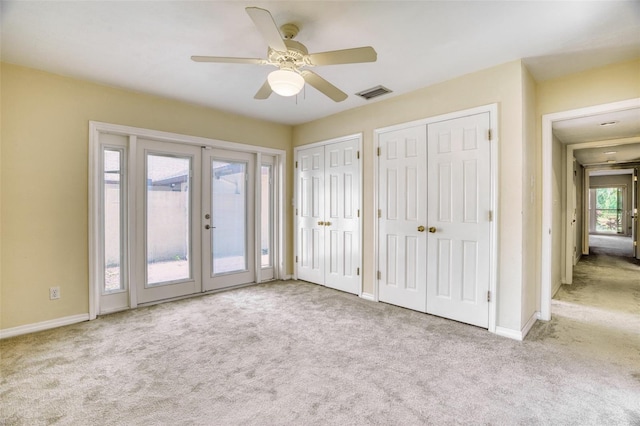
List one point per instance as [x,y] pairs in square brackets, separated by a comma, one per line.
[167,222]
[434,193]
[176,219]
[228,197]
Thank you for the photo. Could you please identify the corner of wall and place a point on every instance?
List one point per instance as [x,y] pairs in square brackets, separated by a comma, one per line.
[1,127]
[531,199]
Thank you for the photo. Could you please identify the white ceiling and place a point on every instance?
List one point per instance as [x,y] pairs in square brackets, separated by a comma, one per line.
[146,45]
[610,142]
[587,129]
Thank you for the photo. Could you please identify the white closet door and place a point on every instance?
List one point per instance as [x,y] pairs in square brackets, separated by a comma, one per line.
[341,221]
[310,223]
[459,200]
[403,211]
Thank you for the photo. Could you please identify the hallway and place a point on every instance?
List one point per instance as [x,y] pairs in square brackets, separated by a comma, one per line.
[599,313]
[611,245]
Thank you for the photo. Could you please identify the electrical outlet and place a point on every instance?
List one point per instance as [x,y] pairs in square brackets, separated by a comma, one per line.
[54,293]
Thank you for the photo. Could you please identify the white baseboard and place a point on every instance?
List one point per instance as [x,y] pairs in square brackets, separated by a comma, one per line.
[515,334]
[508,332]
[529,324]
[44,325]
[368,296]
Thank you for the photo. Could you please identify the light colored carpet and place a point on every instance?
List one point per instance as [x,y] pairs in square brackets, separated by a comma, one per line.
[613,245]
[292,353]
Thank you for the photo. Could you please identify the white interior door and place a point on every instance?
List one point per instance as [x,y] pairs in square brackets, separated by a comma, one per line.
[228,219]
[328,225]
[310,223]
[341,217]
[402,200]
[459,199]
[168,221]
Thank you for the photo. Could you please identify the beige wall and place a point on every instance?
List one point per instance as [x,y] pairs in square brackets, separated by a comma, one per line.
[45,178]
[531,200]
[502,85]
[598,86]
[612,83]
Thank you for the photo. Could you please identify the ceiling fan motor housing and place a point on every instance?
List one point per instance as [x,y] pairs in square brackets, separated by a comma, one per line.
[295,56]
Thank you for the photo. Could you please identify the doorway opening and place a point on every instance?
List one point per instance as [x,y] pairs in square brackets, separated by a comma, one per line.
[590,142]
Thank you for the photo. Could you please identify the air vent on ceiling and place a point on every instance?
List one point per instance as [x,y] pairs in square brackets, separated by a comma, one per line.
[374,92]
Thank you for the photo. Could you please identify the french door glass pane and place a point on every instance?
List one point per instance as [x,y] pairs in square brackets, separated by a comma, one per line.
[265,216]
[229,209]
[112,192]
[168,201]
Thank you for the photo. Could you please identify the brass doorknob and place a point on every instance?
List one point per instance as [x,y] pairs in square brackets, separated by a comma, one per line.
[321,223]
[432,229]
[420,228]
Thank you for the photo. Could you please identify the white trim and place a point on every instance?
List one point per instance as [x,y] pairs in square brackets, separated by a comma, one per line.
[492,109]
[507,332]
[44,325]
[133,133]
[443,117]
[527,327]
[518,335]
[368,296]
[547,194]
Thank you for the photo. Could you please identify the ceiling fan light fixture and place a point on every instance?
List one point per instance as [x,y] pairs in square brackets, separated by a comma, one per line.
[285,82]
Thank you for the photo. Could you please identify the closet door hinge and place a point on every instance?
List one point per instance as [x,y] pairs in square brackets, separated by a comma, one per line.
[635,178]
[379,213]
[379,150]
[635,244]
[296,211]
[490,135]
[490,215]
[488,296]
[296,164]
[358,213]
[357,271]
[379,275]
[358,155]
[296,259]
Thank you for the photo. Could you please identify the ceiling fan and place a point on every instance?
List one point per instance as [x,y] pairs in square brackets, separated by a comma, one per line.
[292,58]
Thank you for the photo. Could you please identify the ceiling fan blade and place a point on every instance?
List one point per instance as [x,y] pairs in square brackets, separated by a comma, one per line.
[264,92]
[324,86]
[267,26]
[228,60]
[346,56]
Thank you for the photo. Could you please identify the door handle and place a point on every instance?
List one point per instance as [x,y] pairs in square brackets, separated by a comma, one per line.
[327,224]
[432,229]
[209,227]
[320,223]
[420,228]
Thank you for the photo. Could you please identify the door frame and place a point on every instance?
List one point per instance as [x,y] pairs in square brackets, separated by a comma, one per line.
[546,246]
[97,128]
[492,109]
[359,137]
